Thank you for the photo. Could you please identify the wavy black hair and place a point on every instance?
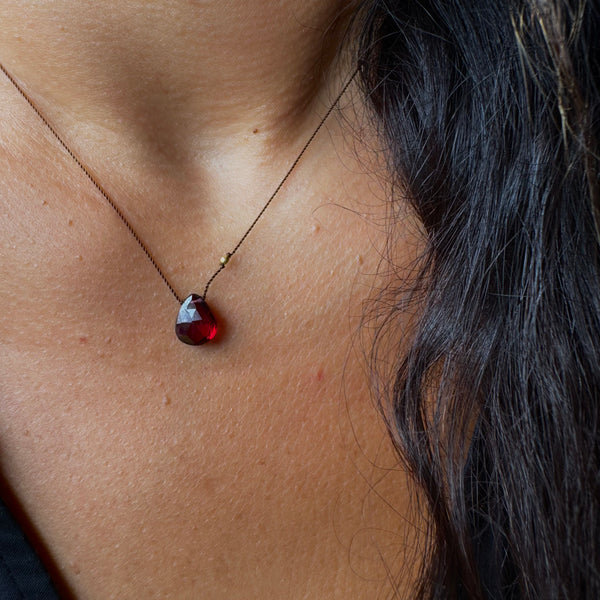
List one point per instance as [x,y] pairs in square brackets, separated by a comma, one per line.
[490,113]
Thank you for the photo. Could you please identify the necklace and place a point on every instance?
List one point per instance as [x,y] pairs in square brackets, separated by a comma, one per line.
[195,324]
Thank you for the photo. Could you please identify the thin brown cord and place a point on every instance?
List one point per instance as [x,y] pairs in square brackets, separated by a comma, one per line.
[127,224]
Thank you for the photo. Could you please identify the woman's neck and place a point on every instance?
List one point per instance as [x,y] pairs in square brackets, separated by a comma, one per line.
[175,76]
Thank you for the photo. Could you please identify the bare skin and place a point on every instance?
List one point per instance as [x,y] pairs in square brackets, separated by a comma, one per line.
[145,468]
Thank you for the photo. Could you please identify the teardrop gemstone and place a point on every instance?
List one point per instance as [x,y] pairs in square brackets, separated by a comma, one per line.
[195,323]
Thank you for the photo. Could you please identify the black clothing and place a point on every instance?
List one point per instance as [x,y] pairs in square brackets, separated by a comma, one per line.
[22,576]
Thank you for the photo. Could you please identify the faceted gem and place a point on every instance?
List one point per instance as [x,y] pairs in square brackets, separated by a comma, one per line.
[195,323]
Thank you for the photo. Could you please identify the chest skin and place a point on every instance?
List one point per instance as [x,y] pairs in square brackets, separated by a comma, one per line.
[247,468]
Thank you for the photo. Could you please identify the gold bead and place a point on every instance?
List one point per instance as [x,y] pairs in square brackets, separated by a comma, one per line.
[225,259]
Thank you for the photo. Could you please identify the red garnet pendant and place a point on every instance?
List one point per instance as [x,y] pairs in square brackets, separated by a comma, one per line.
[195,323]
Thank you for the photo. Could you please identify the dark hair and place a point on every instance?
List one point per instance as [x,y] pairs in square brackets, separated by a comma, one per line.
[490,111]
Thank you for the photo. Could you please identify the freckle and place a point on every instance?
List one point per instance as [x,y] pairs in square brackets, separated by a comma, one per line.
[70,222]
[44,202]
[166,401]
[360,259]
[83,339]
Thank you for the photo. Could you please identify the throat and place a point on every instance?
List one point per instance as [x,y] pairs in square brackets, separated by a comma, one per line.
[175,70]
